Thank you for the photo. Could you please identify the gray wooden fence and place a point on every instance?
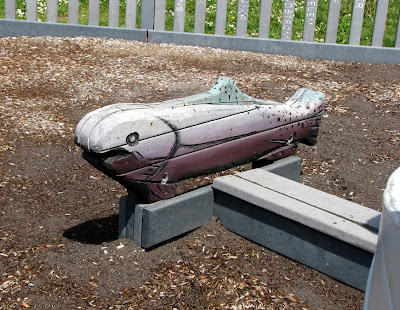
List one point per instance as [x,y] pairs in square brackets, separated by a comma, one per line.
[153,17]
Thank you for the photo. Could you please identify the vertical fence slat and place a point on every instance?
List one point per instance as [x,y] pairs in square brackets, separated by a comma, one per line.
[200,16]
[94,11]
[333,21]
[287,19]
[242,18]
[130,14]
[265,19]
[52,11]
[73,12]
[179,15]
[31,10]
[10,9]
[159,15]
[380,22]
[310,17]
[113,13]
[147,14]
[220,18]
[356,22]
[397,41]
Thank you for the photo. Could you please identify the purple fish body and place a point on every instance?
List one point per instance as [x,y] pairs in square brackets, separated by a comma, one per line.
[149,148]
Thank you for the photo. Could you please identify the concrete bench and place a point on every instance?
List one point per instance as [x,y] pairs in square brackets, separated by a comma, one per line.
[325,232]
[151,224]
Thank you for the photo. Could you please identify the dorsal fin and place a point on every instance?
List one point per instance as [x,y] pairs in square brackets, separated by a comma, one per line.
[225,91]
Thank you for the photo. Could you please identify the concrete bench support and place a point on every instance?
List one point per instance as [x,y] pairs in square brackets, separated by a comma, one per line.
[152,224]
[289,168]
[327,233]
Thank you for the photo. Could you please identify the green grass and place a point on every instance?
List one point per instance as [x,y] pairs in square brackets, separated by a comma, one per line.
[253,19]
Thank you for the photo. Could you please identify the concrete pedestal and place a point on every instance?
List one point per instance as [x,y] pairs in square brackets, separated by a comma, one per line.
[151,224]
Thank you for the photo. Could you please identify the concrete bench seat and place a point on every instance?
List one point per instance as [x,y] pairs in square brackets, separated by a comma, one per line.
[325,232]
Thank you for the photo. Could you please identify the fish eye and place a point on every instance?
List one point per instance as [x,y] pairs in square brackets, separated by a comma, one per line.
[132,139]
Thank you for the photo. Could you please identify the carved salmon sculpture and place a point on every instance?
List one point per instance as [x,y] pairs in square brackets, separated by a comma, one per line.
[148,148]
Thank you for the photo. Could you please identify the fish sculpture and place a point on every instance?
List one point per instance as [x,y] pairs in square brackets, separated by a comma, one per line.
[149,148]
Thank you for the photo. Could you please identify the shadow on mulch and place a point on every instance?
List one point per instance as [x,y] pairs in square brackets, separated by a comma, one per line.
[94,231]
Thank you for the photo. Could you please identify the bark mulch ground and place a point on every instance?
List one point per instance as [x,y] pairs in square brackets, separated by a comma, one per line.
[59,216]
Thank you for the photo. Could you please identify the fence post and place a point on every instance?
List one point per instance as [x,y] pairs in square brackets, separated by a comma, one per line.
[147,14]
[94,12]
[333,21]
[287,19]
[380,22]
[179,15]
[113,13]
[242,17]
[31,10]
[356,22]
[309,20]
[130,14]
[52,11]
[200,16]
[220,19]
[159,15]
[10,9]
[265,19]
[397,42]
[73,12]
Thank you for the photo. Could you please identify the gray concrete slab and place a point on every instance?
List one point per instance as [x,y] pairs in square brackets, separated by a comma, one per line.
[289,168]
[152,224]
[348,210]
[176,216]
[338,259]
[14,28]
[296,210]
[330,234]
[126,217]
[306,50]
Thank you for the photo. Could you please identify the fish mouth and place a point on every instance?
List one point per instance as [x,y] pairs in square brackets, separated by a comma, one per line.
[112,163]
[117,162]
